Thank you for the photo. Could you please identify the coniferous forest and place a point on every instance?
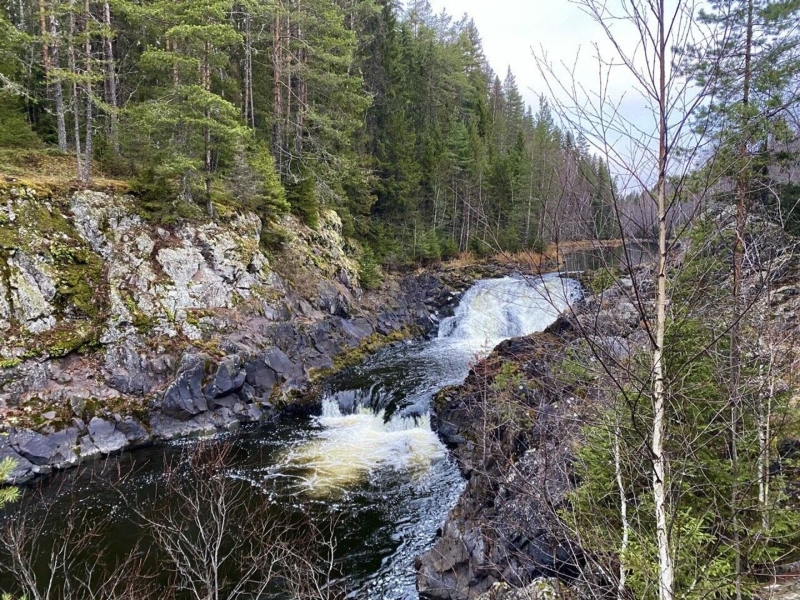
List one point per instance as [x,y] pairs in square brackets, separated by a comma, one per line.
[224,219]
[392,116]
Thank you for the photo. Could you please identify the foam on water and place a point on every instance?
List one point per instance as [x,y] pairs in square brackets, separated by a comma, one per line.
[354,443]
[351,447]
[494,310]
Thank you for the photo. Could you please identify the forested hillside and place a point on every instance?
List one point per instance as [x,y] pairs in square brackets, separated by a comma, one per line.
[390,115]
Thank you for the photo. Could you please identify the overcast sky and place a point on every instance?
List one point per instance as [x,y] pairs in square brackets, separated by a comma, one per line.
[510,28]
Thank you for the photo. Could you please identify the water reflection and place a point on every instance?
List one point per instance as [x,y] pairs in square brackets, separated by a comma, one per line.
[591,259]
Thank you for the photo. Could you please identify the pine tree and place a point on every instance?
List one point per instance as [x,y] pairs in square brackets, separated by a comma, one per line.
[187,123]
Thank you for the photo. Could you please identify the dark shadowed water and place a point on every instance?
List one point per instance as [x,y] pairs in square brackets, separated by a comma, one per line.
[633,255]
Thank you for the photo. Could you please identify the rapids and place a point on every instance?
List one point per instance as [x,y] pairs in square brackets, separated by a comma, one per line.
[370,462]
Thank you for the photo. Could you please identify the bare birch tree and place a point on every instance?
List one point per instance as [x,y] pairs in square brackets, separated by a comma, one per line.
[648,159]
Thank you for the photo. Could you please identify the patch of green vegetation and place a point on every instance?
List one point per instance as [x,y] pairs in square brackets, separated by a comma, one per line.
[507,401]
[573,371]
[68,338]
[9,363]
[40,228]
[80,279]
[369,273]
[357,355]
[143,323]
[302,197]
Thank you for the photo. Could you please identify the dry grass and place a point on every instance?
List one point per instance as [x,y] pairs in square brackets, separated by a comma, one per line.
[49,171]
[529,260]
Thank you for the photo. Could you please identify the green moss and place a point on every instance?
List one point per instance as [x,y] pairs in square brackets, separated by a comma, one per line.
[143,323]
[81,281]
[41,228]
[69,338]
[357,355]
[194,315]
[9,363]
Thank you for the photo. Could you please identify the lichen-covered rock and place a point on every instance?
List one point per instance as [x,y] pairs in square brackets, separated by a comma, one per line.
[5,306]
[32,293]
[106,316]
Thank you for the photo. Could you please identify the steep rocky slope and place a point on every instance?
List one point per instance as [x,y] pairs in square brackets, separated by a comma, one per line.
[515,423]
[116,331]
[513,426]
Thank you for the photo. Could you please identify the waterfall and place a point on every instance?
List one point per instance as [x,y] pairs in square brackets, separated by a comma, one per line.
[493,310]
[355,440]
[351,447]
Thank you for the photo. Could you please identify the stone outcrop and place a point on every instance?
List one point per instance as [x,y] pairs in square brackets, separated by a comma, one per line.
[118,332]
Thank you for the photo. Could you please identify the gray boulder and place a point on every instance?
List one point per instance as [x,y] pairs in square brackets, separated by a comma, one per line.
[184,398]
[277,360]
[106,437]
[65,442]
[34,447]
[133,431]
[229,377]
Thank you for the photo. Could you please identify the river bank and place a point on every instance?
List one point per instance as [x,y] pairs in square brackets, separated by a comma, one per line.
[366,465]
[517,424]
[514,447]
[118,332]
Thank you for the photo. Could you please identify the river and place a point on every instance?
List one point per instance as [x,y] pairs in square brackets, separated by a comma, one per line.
[370,462]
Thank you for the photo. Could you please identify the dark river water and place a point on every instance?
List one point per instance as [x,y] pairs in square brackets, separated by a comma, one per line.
[632,255]
[368,463]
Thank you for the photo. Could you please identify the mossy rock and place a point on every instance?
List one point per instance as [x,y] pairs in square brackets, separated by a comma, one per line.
[41,228]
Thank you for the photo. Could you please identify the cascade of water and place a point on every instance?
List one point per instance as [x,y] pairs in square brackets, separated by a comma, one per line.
[355,437]
[496,309]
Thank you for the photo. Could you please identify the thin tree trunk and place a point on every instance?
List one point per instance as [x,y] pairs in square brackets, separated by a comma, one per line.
[299,88]
[206,66]
[175,73]
[76,108]
[87,162]
[249,110]
[54,62]
[659,458]
[287,86]
[111,77]
[623,509]
[277,92]
[742,189]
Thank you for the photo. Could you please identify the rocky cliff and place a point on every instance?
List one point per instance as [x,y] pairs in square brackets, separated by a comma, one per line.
[116,331]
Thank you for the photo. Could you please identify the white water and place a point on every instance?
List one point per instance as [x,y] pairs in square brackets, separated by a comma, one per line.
[353,445]
[494,310]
